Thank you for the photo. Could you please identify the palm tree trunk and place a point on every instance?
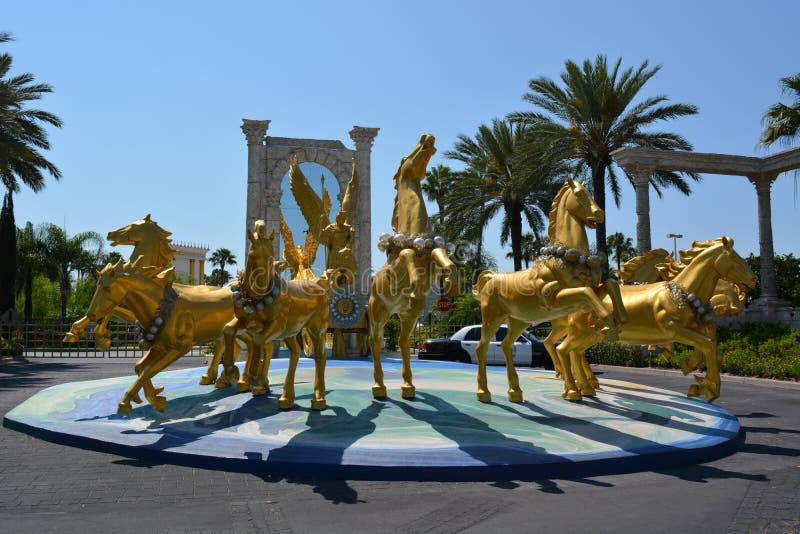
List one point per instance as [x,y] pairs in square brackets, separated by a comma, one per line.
[516,238]
[599,192]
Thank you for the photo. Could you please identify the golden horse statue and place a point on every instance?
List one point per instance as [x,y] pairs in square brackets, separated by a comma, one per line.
[728,300]
[269,308]
[560,282]
[176,319]
[414,258]
[152,243]
[678,310]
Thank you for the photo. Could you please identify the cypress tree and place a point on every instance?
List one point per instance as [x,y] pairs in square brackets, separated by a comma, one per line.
[8,253]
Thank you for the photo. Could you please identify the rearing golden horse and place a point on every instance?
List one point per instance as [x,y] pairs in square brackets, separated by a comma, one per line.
[561,282]
[414,259]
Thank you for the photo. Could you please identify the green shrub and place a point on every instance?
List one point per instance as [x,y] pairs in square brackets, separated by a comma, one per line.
[612,353]
[391,333]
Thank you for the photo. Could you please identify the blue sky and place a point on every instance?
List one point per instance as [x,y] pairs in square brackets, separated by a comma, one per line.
[152,95]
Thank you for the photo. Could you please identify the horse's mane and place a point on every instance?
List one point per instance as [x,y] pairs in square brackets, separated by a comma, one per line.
[397,176]
[551,229]
[670,270]
[157,274]
[628,270]
[165,249]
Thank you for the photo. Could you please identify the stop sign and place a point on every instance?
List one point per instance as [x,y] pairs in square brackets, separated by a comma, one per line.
[444,304]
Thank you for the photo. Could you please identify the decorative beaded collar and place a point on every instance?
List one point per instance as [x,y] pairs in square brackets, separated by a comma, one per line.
[686,300]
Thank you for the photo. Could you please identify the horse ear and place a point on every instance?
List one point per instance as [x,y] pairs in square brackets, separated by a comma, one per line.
[249,236]
[147,218]
[570,182]
[99,274]
[271,235]
[727,241]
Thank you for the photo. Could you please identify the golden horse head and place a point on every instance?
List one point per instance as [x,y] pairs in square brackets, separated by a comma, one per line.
[573,210]
[259,269]
[148,239]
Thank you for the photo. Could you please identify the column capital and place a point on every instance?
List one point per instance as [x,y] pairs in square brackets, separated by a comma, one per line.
[762,182]
[255,131]
[639,172]
[363,137]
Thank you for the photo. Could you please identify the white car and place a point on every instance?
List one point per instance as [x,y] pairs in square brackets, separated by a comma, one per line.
[527,349]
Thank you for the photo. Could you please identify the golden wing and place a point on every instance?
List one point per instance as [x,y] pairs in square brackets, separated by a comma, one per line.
[310,204]
[289,250]
[350,200]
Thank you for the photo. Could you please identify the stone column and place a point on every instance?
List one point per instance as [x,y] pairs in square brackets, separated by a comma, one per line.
[202,273]
[763,184]
[363,139]
[192,280]
[641,183]
[255,132]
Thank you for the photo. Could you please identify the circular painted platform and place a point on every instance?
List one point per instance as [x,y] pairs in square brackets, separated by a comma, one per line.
[443,434]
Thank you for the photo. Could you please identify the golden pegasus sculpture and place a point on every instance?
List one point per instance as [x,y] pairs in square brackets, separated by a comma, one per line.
[414,258]
[677,310]
[337,236]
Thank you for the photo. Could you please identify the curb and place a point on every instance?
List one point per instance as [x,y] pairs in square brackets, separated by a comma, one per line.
[736,379]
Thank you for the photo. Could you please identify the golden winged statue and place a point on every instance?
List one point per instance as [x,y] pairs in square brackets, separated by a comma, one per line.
[336,237]
[300,258]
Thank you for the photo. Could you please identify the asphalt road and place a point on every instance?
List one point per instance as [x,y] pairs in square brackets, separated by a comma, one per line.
[46,487]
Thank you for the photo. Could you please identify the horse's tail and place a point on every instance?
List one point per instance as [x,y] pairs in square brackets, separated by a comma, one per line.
[484,277]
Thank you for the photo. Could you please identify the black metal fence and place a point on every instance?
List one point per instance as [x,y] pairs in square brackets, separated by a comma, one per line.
[45,340]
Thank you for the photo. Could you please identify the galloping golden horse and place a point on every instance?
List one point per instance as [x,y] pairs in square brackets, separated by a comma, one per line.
[175,319]
[653,266]
[152,244]
[269,308]
[414,258]
[560,282]
[674,311]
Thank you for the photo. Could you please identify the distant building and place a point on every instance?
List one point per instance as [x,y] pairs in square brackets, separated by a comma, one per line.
[190,262]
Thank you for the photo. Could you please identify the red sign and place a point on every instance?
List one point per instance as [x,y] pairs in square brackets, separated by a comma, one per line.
[444,304]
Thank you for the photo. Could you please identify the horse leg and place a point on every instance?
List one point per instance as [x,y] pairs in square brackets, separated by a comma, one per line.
[407,322]
[230,373]
[318,402]
[161,358]
[709,385]
[488,329]
[378,317]
[213,366]
[287,397]
[558,331]
[584,336]
[515,329]
[253,351]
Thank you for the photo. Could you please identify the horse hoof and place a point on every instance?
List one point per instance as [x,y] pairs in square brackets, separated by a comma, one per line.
[241,387]
[515,395]
[595,383]
[694,390]
[256,390]
[158,390]
[124,407]
[318,404]
[588,391]
[484,396]
[408,392]
[221,382]
[379,392]
[207,380]
[285,403]
[69,337]
[159,403]
[136,398]
[574,395]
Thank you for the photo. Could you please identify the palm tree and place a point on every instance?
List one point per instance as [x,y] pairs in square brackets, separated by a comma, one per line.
[621,248]
[434,187]
[531,244]
[21,137]
[781,121]
[64,254]
[593,114]
[494,181]
[221,258]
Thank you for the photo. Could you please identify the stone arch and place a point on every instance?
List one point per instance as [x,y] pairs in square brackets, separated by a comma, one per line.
[269,159]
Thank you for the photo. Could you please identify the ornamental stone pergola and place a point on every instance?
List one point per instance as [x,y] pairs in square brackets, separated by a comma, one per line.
[268,160]
[640,163]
